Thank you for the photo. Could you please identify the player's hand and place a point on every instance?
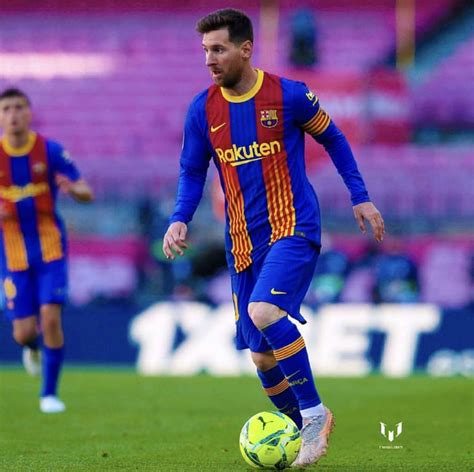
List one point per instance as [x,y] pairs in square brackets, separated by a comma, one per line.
[367,212]
[64,184]
[79,189]
[175,239]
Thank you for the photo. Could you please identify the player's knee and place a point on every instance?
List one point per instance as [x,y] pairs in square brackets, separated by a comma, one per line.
[51,325]
[259,313]
[24,334]
[264,360]
[263,314]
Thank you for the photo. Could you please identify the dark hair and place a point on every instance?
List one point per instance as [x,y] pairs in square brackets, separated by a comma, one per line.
[14,92]
[237,22]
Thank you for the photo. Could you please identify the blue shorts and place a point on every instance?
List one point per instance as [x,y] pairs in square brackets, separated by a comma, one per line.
[25,291]
[280,276]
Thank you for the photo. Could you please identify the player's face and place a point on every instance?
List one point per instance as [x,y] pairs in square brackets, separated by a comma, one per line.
[15,115]
[225,59]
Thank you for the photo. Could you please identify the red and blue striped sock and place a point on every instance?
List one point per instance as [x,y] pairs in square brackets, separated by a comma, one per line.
[279,392]
[290,352]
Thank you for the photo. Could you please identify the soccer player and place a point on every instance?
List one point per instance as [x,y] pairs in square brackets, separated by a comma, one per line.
[252,124]
[33,249]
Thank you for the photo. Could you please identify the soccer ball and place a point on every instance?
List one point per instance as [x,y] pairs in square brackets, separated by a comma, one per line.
[270,440]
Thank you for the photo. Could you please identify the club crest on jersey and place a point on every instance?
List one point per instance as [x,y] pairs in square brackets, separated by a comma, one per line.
[39,168]
[268,118]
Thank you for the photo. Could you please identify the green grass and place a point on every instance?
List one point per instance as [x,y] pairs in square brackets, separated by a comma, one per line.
[120,421]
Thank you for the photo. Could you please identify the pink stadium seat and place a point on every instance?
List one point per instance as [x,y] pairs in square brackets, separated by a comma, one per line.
[446,97]
[135,113]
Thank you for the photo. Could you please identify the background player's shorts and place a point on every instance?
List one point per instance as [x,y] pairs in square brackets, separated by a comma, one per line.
[280,276]
[25,291]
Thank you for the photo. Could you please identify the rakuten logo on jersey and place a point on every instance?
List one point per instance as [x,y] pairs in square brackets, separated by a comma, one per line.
[238,155]
[15,193]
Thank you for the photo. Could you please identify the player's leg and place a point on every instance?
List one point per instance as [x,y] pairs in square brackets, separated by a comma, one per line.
[248,336]
[52,292]
[20,307]
[26,333]
[276,385]
[53,356]
[290,352]
[280,289]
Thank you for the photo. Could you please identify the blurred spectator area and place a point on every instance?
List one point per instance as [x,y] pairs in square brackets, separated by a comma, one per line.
[355,35]
[445,97]
[404,270]
[431,182]
[428,268]
[112,80]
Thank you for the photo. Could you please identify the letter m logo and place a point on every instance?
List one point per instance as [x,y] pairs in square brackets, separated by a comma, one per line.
[391,435]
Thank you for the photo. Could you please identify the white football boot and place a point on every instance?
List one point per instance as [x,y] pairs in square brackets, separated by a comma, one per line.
[32,360]
[51,404]
[314,439]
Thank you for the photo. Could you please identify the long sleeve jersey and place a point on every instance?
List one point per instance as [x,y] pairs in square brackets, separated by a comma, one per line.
[257,144]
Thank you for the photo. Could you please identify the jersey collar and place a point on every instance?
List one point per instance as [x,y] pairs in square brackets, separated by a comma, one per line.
[246,96]
[21,151]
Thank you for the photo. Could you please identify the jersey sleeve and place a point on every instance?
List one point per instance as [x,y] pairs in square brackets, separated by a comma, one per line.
[194,162]
[311,117]
[61,161]
[308,112]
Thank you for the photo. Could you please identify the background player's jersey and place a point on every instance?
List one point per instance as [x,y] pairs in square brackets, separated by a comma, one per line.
[32,231]
[257,144]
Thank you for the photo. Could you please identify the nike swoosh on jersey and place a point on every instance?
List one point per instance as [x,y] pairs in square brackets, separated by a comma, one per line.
[276,292]
[217,128]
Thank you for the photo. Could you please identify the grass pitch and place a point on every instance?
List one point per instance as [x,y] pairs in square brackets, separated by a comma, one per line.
[120,421]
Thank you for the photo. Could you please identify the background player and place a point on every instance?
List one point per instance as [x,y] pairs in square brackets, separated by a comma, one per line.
[252,124]
[33,248]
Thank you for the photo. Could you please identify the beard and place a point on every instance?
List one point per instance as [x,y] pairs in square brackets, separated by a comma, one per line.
[230,80]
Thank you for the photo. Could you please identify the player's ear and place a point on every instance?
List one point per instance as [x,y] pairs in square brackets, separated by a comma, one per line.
[29,115]
[246,49]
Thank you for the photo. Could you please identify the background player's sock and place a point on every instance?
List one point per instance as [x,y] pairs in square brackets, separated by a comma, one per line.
[279,392]
[290,351]
[52,362]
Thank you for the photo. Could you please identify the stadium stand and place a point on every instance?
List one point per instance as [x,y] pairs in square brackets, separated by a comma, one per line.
[446,98]
[131,105]
[112,81]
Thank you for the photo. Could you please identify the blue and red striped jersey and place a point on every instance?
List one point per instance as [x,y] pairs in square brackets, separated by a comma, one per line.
[257,144]
[32,230]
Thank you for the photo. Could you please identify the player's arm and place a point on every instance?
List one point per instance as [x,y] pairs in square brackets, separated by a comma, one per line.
[67,176]
[194,162]
[339,150]
[79,189]
[315,121]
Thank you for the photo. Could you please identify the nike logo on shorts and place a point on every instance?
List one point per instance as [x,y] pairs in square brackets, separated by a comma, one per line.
[276,292]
